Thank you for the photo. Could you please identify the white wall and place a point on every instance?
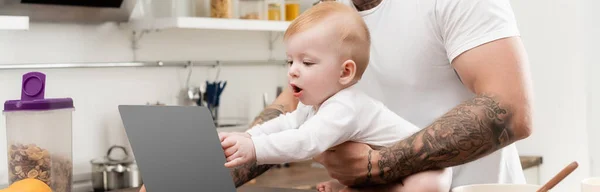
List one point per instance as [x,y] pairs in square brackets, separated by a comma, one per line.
[97,92]
[552,32]
[590,50]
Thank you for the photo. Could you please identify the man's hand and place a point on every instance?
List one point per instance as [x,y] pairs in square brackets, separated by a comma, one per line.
[239,149]
[349,162]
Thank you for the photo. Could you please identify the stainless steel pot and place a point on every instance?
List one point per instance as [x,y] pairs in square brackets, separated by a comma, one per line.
[109,173]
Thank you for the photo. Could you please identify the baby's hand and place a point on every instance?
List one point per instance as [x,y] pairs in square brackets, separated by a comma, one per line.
[223,135]
[239,149]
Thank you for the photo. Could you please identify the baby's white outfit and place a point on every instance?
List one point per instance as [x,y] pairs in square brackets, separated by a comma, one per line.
[349,115]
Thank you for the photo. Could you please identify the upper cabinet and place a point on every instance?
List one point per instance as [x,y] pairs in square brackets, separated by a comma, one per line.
[14,23]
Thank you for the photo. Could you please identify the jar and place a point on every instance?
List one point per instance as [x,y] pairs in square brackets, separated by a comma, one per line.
[220,8]
[274,11]
[39,135]
[252,9]
[292,9]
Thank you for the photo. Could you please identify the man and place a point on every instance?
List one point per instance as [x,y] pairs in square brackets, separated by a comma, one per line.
[455,68]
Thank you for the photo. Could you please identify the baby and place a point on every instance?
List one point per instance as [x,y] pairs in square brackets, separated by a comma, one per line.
[328,51]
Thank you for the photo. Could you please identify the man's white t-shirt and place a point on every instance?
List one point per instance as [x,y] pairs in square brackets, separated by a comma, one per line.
[413,44]
[348,115]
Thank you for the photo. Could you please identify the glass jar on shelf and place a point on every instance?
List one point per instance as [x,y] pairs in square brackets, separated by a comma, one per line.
[275,10]
[252,9]
[292,9]
[221,8]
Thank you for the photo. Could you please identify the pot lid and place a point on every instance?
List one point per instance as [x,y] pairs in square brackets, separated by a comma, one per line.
[112,160]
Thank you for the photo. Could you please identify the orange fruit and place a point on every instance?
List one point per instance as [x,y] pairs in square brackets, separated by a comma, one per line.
[28,185]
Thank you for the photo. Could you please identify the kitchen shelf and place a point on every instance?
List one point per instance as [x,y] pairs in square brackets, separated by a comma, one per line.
[14,23]
[210,23]
[142,64]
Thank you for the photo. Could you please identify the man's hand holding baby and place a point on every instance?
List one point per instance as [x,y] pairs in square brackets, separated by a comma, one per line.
[239,148]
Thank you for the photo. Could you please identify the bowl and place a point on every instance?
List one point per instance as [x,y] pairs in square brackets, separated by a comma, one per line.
[497,188]
[590,184]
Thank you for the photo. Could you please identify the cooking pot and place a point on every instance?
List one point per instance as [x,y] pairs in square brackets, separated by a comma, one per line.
[110,173]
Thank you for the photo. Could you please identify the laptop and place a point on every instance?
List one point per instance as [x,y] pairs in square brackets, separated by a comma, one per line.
[177,148]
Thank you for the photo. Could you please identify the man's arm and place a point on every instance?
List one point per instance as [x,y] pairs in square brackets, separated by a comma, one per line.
[283,104]
[499,114]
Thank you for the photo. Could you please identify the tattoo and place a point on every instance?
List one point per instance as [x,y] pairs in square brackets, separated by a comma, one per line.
[363,5]
[247,172]
[471,130]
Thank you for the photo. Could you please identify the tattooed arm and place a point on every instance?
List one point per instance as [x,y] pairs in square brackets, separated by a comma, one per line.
[283,104]
[497,116]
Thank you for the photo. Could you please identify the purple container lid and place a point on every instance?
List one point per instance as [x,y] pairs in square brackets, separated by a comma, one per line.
[32,96]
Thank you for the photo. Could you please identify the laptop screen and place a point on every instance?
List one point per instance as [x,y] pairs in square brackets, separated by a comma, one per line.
[176,148]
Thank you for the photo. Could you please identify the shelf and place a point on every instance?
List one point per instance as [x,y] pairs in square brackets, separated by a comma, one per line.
[14,23]
[211,23]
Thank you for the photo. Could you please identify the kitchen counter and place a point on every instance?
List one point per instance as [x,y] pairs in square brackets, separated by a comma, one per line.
[304,175]
[241,189]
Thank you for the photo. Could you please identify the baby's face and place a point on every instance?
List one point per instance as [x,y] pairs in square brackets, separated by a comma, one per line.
[315,65]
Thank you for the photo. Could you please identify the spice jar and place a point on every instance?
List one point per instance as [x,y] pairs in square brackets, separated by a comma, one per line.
[292,9]
[220,8]
[274,11]
[252,9]
[39,135]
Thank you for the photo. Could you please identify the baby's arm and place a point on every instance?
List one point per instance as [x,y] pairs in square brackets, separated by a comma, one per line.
[282,122]
[330,126]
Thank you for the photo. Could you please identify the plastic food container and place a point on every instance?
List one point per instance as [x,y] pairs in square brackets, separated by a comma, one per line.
[39,135]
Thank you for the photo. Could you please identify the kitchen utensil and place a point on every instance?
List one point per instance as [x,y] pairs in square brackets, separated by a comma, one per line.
[590,184]
[110,173]
[39,135]
[190,96]
[213,96]
[497,188]
[559,177]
